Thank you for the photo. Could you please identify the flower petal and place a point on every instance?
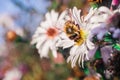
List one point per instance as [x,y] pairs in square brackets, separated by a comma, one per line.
[76,16]
[73,50]
[45,24]
[89,44]
[45,49]
[40,42]
[48,19]
[90,14]
[65,43]
[54,52]
[62,16]
[37,39]
[40,30]
[54,16]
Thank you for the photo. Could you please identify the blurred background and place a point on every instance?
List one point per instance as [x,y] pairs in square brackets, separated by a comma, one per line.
[18,59]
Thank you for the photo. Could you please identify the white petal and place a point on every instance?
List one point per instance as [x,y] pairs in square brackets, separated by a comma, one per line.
[40,30]
[45,49]
[61,20]
[68,59]
[62,16]
[65,43]
[90,14]
[73,50]
[53,47]
[37,39]
[48,19]
[76,57]
[54,52]
[79,60]
[97,19]
[63,36]
[45,24]
[82,59]
[40,42]
[104,9]
[68,44]
[76,16]
[54,16]
[89,44]
[81,52]
[72,55]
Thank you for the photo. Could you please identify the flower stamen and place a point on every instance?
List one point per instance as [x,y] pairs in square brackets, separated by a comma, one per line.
[52,32]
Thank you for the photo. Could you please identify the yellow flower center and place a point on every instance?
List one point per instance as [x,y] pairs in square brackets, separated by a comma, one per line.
[81,37]
[74,32]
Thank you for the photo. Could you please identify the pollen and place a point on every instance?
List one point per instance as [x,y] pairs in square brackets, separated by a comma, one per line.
[52,32]
[81,38]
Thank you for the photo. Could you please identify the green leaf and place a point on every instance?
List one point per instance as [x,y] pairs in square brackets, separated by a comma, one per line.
[86,71]
[97,54]
[108,38]
[116,46]
[86,68]
[54,4]
[94,5]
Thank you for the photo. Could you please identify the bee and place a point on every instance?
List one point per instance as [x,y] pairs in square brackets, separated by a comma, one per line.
[96,1]
[73,32]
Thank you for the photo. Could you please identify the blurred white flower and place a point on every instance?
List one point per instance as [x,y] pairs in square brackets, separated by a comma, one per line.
[46,35]
[13,74]
[108,21]
[78,33]
[8,23]
[100,15]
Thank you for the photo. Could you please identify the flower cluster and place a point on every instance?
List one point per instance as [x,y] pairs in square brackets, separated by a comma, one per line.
[91,38]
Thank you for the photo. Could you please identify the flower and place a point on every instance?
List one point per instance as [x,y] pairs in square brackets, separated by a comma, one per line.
[47,33]
[13,74]
[114,23]
[59,59]
[100,22]
[108,23]
[77,36]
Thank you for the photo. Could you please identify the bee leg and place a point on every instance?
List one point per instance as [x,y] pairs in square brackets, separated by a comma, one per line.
[78,26]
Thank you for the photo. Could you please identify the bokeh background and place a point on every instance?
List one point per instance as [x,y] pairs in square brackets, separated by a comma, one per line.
[18,59]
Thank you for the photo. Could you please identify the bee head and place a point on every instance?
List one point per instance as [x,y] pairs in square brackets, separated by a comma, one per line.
[70,28]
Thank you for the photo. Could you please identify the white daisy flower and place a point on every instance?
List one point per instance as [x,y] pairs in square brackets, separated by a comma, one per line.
[47,33]
[78,37]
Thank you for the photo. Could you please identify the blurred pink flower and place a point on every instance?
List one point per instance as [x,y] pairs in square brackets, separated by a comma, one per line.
[59,59]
